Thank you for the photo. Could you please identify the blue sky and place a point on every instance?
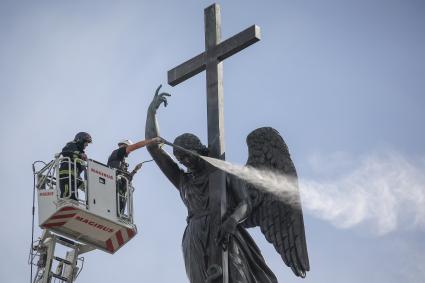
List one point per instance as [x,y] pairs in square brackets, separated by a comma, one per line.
[343,82]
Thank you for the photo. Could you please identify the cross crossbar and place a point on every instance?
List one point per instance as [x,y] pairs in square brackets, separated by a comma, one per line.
[219,52]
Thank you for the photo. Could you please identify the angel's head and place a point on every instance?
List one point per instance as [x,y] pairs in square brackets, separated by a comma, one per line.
[193,143]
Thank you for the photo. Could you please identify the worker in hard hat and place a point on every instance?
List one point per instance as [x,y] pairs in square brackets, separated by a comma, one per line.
[117,160]
[71,165]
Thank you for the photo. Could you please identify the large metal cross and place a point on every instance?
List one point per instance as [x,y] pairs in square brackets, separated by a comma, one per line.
[211,61]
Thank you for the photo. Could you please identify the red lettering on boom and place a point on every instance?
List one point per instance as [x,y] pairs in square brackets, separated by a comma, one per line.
[94,224]
[102,174]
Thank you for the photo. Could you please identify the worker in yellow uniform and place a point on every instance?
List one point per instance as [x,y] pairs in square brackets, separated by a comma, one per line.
[71,166]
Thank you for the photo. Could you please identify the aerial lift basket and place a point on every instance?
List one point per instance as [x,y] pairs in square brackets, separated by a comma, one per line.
[101,215]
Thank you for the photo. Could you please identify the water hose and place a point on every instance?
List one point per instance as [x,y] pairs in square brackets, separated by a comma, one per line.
[181,148]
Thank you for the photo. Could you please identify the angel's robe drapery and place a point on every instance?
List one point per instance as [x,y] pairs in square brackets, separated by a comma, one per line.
[246,264]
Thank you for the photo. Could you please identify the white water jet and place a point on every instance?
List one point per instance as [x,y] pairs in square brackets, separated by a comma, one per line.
[283,186]
[385,192]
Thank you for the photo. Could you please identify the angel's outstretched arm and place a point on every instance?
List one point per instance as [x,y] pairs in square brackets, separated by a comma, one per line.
[162,159]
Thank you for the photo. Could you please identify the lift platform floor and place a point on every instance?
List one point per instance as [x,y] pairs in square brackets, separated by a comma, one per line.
[76,223]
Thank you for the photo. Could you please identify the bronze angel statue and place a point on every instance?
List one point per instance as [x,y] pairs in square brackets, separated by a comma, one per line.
[281,223]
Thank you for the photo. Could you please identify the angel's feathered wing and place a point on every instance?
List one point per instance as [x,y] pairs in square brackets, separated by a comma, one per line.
[281,223]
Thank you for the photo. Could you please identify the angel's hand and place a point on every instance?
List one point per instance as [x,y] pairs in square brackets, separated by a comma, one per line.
[159,98]
[156,140]
[228,227]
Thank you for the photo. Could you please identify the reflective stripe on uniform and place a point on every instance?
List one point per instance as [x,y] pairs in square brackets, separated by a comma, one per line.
[66,172]
[66,190]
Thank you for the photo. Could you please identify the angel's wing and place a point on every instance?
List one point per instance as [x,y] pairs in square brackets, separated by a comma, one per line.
[281,223]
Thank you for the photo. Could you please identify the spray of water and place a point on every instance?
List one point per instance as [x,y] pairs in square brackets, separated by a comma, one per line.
[385,192]
[283,186]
